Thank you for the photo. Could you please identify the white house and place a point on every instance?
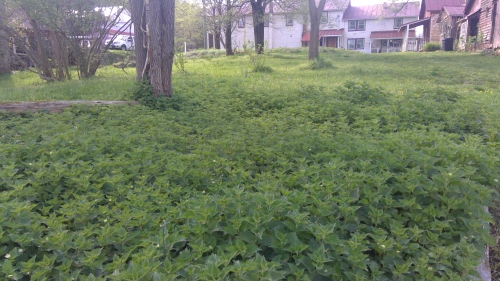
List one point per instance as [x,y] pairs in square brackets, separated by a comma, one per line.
[281,29]
[331,29]
[369,29]
[375,28]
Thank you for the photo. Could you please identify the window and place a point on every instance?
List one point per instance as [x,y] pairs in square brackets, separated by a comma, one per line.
[289,20]
[324,18]
[398,22]
[355,25]
[356,44]
[241,22]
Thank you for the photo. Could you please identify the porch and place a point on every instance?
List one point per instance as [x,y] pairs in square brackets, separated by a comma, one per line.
[392,41]
[327,38]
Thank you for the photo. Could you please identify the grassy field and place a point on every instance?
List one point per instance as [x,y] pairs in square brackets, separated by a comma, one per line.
[374,168]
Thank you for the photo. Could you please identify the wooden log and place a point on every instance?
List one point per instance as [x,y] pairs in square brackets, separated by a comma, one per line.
[53,106]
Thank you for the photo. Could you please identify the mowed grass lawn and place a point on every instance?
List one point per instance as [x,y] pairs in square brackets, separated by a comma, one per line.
[373,168]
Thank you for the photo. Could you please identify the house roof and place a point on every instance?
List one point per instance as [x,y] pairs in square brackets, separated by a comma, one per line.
[437,5]
[454,11]
[390,34]
[394,10]
[414,24]
[323,33]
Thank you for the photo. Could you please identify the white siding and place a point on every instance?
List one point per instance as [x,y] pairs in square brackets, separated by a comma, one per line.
[371,25]
[277,35]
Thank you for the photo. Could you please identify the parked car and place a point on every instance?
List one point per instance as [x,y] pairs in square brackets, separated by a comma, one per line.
[121,42]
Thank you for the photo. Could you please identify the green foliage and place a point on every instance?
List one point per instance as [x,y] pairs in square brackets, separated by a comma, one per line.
[188,25]
[320,63]
[204,53]
[143,93]
[377,174]
[432,47]
[344,183]
[257,61]
[180,61]
[110,83]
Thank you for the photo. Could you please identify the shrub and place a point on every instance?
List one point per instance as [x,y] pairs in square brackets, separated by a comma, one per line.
[180,61]
[432,47]
[320,63]
[257,61]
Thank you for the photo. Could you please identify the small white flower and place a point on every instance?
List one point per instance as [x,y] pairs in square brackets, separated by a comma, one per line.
[20,250]
[30,164]
[496,180]
[429,268]
[203,192]
[7,256]
[214,161]
[450,174]
[106,220]
[383,246]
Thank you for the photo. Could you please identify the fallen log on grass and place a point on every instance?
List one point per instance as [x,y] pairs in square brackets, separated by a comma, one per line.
[53,106]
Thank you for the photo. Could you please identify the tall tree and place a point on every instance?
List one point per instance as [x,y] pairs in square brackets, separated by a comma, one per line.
[316,8]
[4,44]
[188,24]
[315,16]
[49,31]
[258,13]
[156,23]
[222,15]
[138,14]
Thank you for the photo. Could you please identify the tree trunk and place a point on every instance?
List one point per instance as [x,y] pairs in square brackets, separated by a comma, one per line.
[4,44]
[229,43]
[315,15]
[4,54]
[258,9]
[138,14]
[60,55]
[229,29]
[217,39]
[44,63]
[161,46]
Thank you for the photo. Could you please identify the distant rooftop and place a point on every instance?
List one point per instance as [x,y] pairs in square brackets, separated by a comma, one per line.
[437,5]
[391,10]
[454,10]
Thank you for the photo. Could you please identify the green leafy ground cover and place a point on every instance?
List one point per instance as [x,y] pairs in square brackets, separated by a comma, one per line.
[342,173]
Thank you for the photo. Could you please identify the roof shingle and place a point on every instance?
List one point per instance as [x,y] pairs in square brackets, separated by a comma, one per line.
[322,33]
[436,5]
[394,10]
